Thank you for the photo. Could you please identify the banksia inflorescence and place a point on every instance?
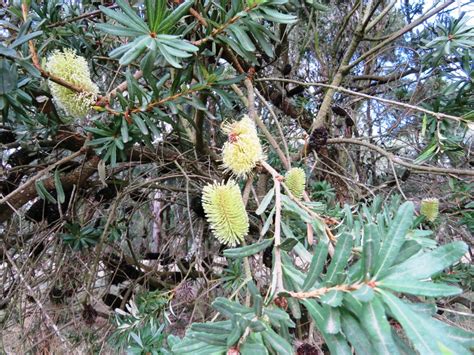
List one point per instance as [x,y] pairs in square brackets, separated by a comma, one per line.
[73,69]
[430,208]
[243,150]
[225,211]
[295,180]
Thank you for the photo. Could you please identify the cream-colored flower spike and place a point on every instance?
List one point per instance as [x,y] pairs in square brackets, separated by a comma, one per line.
[72,68]
[243,150]
[225,211]
[295,180]
[430,208]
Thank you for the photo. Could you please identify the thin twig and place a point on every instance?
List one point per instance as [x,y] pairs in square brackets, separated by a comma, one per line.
[438,115]
[49,321]
[277,266]
[397,160]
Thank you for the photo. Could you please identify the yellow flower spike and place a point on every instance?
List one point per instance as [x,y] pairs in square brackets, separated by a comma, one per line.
[243,150]
[430,208]
[73,69]
[295,180]
[225,211]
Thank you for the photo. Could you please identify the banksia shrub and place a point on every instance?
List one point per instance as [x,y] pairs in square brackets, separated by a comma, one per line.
[243,150]
[430,208]
[225,211]
[295,180]
[74,70]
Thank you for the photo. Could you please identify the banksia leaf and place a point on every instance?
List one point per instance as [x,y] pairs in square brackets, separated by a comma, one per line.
[243,149]
[295,180]
[74,70]
[225,211]
[430,208]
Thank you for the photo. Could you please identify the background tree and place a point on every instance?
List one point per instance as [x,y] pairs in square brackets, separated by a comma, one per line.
[116,116]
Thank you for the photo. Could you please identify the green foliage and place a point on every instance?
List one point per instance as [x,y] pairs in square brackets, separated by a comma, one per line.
[451,50]
[78,237]
[351,301]
[249,327]
[170,75]
[154,37]
[138,330]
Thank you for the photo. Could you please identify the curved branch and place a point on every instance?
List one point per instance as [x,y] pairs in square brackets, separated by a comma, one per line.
[438,115]
[396,160]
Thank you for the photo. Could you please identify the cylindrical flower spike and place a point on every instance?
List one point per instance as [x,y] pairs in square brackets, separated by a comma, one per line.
[430,208]
[225,211]
[243,150]
[295,180]
[73,69]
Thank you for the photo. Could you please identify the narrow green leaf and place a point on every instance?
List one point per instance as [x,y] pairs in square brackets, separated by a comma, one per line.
[43,192]
[364,293]
[433,262]
[332,298]
[131,14]
[124,20]
[248,250]
[234,335]
[371,245]
[253,349]
[59,187]
[135,51]
[395,238]
[288,244]
[242,37]
[22,39]
[229,308]
[356,335]
[265,202]
[175,16]
[375,323]
[426,336]
[336,343]
[116,30]
[317,264]
[341,257]
[278,343]
[275,16]
[420,288]
[140,124]
[224,327]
